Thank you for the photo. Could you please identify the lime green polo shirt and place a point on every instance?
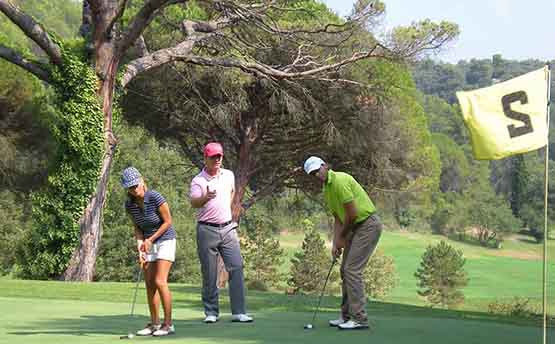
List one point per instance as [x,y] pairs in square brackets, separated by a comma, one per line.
[341,188]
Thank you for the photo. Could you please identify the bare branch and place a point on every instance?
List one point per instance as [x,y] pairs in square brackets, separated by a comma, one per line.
[267,71]
[156,59]
[141,21]
[18,59]
[119,13]
[141,46]
[271,187]
[33,30]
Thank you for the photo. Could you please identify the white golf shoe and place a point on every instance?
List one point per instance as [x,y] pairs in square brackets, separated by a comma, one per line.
[210,319]
[148,330]
[352,325]
[337,322]
[241,318]
[164,331]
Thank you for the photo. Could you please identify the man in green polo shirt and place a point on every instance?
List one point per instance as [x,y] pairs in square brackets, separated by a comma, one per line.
[357,230]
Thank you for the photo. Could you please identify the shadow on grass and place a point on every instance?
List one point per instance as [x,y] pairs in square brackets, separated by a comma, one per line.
[279,318]
[528,241]
[287,327]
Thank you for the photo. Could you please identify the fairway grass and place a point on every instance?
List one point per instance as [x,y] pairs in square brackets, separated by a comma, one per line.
[494,274]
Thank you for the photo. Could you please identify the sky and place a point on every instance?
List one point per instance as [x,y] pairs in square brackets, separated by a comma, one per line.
[517,30]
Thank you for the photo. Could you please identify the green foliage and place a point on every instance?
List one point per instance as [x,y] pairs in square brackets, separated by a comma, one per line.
[441,275]
[479,73]
[380,276]
[77,128]
[481,208]
[159,33]
[444,118]
[261,252]
[423,31]
[439,79]
[455,168]
[532,194]
[60,16]
[405,217]
[310,265]
[12,227]
[520,179]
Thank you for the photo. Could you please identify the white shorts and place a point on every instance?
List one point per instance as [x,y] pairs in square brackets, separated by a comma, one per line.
[161,250]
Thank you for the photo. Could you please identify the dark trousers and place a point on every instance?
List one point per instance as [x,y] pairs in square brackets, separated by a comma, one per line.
[212,241]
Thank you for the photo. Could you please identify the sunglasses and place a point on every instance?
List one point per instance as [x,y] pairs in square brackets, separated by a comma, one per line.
[215,157]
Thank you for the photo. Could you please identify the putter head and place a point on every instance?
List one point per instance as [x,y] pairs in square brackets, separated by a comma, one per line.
[308,327]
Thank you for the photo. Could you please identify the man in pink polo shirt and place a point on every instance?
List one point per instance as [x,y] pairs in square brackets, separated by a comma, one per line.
[211,193]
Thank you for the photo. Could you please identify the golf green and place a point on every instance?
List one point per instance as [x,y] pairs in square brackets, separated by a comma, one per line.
[28,320]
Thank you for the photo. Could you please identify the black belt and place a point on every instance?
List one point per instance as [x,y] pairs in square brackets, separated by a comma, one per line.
[218,225]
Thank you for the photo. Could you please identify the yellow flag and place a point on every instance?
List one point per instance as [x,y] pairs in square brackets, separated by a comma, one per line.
[507,118]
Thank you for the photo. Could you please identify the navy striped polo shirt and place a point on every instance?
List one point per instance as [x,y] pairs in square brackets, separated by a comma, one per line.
[149,220]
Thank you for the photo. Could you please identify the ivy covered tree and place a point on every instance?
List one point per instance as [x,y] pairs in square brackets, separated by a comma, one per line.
[261,253]
[441,275]
[310,265]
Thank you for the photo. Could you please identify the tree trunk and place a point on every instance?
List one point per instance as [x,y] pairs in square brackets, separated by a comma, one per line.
[241,182]
[83,260]
[244,167]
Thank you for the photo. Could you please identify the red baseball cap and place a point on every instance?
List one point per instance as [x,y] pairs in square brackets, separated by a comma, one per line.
[213,148]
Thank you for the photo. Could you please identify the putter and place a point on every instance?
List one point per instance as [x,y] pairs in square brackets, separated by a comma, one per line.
[130,335]
[310,325]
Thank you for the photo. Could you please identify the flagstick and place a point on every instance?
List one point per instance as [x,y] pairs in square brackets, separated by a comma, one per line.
[546,176]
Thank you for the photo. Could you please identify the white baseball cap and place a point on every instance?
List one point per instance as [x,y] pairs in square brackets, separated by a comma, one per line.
[312,164]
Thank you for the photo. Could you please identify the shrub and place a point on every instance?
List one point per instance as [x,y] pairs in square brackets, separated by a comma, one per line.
[518,307]
[441,275]
[380,276]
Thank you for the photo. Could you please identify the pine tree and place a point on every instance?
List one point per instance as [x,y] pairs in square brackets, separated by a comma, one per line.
[310,265]
[380,276]
[441,275]
[262,253]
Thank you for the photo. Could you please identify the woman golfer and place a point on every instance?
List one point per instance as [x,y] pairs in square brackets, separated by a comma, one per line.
[155,236]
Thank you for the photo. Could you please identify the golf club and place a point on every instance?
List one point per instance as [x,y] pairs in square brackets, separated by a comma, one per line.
[130,335]
[310,325]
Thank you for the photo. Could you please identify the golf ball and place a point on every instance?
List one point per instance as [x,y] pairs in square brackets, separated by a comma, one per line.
[309,326]
[130,335]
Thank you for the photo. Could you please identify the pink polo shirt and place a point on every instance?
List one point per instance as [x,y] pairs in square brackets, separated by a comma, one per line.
[217,210]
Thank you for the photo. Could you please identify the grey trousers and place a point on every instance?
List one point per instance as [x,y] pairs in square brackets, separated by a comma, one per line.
[212,241]
[359,247]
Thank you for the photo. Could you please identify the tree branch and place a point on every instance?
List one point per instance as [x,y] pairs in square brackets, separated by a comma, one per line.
[156,59]
[33,30]
[119,13]
[195,31]
[141,46]
[267,71]
[14,57]
[141,21]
